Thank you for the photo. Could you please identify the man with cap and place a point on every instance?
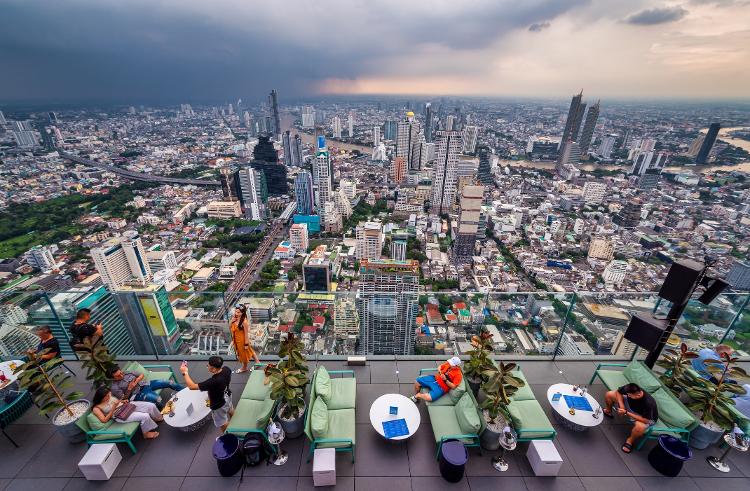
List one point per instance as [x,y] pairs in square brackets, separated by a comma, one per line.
[448,377]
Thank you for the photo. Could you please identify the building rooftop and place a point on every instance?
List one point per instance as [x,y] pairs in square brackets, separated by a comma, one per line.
[178,460]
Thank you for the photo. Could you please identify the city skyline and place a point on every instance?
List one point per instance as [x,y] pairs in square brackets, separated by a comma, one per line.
[176,51]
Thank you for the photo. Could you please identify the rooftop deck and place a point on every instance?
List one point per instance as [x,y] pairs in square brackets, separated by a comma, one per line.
[177,460]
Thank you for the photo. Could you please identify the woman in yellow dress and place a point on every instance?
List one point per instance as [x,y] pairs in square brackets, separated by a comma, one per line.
[239,327]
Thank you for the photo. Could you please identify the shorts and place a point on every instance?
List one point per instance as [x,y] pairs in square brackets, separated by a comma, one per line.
[430,382]
[221,415]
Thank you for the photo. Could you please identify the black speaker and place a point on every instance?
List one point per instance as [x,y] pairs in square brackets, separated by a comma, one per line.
[645,331]
[681,279]
[714,290]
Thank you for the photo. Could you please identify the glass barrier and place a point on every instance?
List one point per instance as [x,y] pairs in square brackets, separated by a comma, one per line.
[19,318]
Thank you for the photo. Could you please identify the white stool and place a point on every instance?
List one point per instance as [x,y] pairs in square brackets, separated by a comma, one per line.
[544,458]
[100,462]
[324,467]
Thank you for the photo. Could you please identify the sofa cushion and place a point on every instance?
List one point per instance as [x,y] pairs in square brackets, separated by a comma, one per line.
[612,379]
[323,384]
[95,424]
[637,373]
[444,422]
[528,415]
[250,415]
[524,393]
[319,418]
[255,389]
[343,393]
[672,411]
[137,368]
[341,426]
[466,413]
[127,429]
[456,394]
[161,376]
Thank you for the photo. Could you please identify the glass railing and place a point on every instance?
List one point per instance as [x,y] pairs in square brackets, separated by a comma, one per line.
[156,324]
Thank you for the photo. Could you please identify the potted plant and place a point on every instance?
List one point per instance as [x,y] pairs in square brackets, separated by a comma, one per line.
[479,361]
[96,359]
[48,387]
[288,380]
[713,400]
[499,386]
[675,362]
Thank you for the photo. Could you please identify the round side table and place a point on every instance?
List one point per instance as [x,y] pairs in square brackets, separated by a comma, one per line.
[719,463]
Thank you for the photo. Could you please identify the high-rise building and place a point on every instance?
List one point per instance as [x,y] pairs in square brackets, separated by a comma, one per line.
[708,143]
[350,123]
[15,340]
[298,237]
[3,121]
[336,127]
[469,136]
[601,248]
[274,103]
[398,170]
[649,180]
[387,302]
[695,147]
[739,275]
[644,161]
[24,134]
[322,177]
[349,187]
[629,216]
[264,150]
[161,260]
[399,246]
[594,192]
[275,176]
[286,145]
[297,151]
[450,123]
[428,123]
[606,146]
[370,239]
[253,192]
[622,348]
[484,171]
[468,224]
[569,155]
[40,257]
[444,180]
[308,117]
[122,261]
[346,318]
[588,128]
[615,272]
[150,318]
[317,270]
[407,142]
[376,136]
[390,130]
[229,185]
[573,122]
[303,191]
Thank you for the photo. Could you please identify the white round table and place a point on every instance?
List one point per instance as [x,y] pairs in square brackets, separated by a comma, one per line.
[407,410]
[190,410]
[11,378]
[579,421]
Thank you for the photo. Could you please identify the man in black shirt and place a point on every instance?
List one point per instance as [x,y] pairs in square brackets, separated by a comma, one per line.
[637,404]
[81,329]
[219,396]
[48,343]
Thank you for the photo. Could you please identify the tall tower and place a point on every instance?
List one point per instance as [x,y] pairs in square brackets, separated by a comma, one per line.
[336,127]
[286,145]
[469,136]
[121,261]
[588,128]
[484,172]
[387,301]
[274,103]
[350,123]
[253,192]
[708,143]
[407,141]
[468,224]
[322,177]
[229,185]
[573,123]
[297,151]
[303,191]
[369,236]
[444,179]
[376,136]
[428,122]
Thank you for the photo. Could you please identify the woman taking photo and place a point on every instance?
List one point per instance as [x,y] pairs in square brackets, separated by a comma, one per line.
[239,327]
[108,407]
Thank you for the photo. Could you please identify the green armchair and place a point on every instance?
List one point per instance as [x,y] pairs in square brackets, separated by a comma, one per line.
[330,419]
[110,432]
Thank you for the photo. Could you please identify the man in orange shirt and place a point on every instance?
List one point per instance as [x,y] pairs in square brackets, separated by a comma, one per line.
[449,376]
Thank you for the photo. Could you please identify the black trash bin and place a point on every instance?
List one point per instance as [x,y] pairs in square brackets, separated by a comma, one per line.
[668,455]
[453,457]
[228,455]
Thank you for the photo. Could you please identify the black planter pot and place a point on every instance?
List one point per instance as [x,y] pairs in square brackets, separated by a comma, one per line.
[71,431]
[474,385]
[293,428]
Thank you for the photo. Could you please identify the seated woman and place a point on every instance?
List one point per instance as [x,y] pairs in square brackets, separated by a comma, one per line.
[105,407]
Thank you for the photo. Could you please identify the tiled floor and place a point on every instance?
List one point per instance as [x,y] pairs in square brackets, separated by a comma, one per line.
[183,461]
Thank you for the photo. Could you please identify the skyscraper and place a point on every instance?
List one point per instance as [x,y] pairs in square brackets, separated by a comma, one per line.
[484,172]
[570,153]
[308,117]
[350,123]
[303,191]
[369,236]
[275,176]
[708,143]
[253,192]
[322,176]
[41,258]
[573,123]
[399,246]
[297,151]
[229,185]
[264,150]
[376,136]
[469,136]
[274,103]
[468,224]
[398,170]
[122,261]
[390,130]
[286,145]
[407,141]
[150,318]
[588,128]
[428,122]
[336,127]
[387,301]
[444,179]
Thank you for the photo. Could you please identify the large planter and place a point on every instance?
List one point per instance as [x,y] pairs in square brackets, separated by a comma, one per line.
[490,437]
[474,385]
[703,436]
[66,425]
[293,428]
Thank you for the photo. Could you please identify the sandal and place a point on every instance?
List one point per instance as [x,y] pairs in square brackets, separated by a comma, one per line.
[627,447]
[240,370]
[608,414]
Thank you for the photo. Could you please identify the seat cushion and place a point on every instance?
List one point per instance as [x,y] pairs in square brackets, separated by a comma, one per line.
[255,389]
[524,393]
[137,368]
[343,393]
[467,415]
[672,411]
[127,428]
[637,373]
[319,418]
[455,394]
[323,384]
[612,379]
[341,426]
[250,415]
[529,415]
[95,423]
[444,422]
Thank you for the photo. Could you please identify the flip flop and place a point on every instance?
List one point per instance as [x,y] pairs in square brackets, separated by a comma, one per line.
[239,370]
[627,447]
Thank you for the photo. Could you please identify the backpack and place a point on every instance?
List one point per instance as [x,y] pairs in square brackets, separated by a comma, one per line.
[254,451]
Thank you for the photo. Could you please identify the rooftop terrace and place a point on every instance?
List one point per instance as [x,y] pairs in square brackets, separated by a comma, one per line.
[176,460]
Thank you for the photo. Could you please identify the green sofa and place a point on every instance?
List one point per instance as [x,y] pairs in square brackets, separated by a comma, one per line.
[455,416]
[112,431]
[255,407]
[674,418]
[330,419]
[527,415]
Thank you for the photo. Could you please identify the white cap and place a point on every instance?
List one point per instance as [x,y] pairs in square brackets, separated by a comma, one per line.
[455,361]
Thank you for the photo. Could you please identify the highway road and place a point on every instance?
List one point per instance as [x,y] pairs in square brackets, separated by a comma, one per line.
[136,176]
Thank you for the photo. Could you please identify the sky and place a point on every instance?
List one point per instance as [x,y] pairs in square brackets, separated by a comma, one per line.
[70,51]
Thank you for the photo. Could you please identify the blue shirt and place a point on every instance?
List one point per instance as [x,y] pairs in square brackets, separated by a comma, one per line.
[699,364]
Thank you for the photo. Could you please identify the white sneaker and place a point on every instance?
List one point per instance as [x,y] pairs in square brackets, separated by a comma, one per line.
[414,399]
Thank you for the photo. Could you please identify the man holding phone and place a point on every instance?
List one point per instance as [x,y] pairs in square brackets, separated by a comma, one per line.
[219,395]
[449,376]
[632,401]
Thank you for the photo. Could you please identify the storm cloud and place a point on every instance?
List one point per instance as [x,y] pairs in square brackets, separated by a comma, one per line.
[650,17]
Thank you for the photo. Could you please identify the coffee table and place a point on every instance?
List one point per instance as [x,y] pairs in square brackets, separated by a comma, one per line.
[380,412]
[189,410]
[579,421]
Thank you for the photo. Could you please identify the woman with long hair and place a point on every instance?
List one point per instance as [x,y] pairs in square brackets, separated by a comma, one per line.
[239,327]
[106,406]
